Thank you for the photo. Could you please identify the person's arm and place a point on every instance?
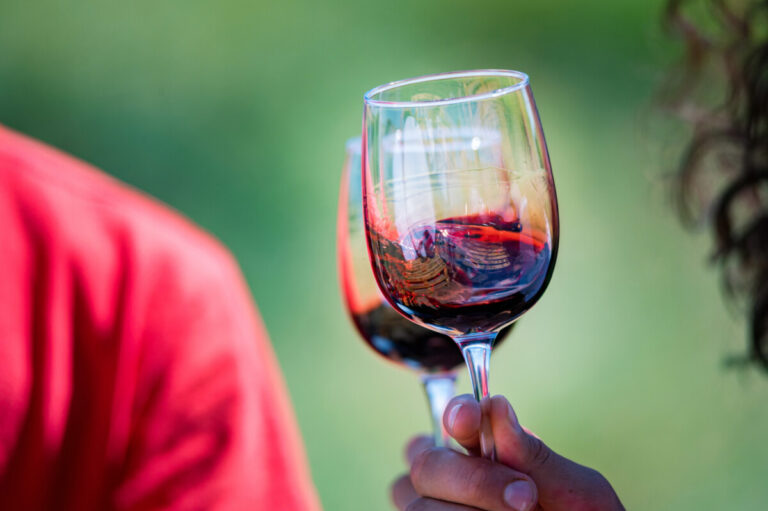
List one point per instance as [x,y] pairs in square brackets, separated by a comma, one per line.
[444,480]
[212,426]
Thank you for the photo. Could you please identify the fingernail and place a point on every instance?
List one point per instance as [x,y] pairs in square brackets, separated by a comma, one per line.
[452,415]
[519,495]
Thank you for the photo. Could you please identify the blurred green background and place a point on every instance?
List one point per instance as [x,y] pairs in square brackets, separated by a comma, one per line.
[236,112]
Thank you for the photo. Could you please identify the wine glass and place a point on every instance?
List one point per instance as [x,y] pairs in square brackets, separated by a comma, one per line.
[434,356]
[460,207]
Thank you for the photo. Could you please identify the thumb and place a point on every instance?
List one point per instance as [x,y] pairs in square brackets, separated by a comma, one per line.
[556,477]
[515,447]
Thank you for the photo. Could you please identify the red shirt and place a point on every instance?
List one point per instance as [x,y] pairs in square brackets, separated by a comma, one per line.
[134,371]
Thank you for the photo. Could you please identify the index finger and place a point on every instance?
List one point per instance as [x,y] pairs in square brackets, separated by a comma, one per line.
[450,476]
[416,445]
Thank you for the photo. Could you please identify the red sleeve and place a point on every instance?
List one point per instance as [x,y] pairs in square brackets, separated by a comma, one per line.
[134,371]
[213,429]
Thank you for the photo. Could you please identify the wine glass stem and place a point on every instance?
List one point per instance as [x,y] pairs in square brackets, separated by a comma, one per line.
[439,388]
[477,354]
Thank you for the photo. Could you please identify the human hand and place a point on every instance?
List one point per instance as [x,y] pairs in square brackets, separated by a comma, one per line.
[445,480]
[562,484]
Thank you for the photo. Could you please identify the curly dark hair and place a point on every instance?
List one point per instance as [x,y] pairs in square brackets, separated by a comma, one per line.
[721,88]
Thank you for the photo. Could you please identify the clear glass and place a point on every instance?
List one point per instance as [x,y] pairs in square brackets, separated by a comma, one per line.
[433,355]
[460,208]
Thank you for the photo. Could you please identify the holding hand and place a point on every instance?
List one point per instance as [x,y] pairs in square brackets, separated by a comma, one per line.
[527,470]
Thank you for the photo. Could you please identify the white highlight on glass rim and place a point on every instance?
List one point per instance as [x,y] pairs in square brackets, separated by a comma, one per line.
[455,139]
[370,100]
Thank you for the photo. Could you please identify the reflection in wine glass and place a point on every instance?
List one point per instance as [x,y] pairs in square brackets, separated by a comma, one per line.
[433,355]
[460,208]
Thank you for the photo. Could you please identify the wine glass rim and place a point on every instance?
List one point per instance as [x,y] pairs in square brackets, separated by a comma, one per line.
[369,99]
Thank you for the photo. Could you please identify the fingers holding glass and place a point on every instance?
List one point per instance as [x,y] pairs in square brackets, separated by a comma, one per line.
[451,476]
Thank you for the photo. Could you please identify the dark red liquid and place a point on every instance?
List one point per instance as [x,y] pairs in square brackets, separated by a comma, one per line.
[464,274]
[403,341]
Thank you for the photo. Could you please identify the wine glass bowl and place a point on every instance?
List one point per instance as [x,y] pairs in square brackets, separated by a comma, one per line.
[387,332]
[459,199]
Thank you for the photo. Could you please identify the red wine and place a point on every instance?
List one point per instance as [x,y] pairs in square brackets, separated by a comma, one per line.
[464,274]
[405,342]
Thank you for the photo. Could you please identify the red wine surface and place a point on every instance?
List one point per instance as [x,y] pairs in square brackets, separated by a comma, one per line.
[464,274]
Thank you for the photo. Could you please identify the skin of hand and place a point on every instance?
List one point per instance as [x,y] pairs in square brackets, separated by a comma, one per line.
[528,475]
